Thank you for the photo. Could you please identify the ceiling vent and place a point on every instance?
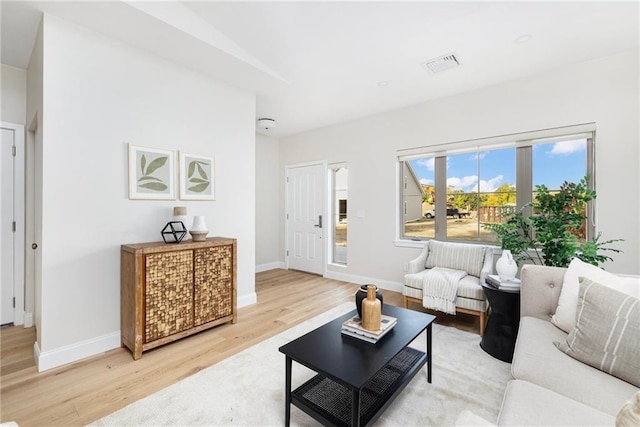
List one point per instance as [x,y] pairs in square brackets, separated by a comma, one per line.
[442,63]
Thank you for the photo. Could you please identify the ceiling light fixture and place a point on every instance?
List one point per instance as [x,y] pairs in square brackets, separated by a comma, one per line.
[266,123]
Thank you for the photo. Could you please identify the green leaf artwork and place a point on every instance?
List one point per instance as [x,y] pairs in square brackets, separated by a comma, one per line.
[199,178]
[147,170]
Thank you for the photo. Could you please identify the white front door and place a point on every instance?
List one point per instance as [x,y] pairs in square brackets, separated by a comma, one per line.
[12,224]
[305,222]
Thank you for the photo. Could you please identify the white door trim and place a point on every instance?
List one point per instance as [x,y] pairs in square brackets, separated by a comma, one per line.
[19,217]
[323,251]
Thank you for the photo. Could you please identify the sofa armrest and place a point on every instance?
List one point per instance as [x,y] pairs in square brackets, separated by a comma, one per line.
[540,290]
[487,267]
[416,265]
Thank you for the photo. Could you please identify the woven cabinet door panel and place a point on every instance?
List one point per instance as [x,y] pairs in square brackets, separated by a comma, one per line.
[168,294]
[213,283]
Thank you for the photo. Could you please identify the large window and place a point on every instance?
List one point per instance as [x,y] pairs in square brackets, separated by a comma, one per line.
[457,190]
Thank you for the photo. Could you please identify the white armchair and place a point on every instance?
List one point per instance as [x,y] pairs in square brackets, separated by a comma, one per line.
[475,260]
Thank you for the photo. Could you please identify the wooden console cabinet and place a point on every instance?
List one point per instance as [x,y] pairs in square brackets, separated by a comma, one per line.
[170,291]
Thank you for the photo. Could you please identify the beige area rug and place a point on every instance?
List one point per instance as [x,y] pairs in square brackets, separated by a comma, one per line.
[248,389]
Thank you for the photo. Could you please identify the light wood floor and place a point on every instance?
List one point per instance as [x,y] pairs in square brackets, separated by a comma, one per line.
[85,391]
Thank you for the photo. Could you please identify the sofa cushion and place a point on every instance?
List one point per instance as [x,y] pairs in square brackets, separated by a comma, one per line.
[629,415]
[565,315]
[537,360]
[527,404]
[607,331]
[456,256]
[468,287]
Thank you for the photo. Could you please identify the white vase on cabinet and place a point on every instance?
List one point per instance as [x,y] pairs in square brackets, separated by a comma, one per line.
[506,266]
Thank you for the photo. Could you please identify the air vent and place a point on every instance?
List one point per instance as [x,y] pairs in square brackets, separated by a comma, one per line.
[442,63]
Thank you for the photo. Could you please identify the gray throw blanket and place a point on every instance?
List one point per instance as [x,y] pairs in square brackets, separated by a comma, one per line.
[440,288]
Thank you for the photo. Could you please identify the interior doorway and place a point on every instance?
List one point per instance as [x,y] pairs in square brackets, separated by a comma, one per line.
[12,223]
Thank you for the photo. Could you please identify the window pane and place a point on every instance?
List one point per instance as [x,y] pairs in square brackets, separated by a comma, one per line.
[340,189]
[557,162]
[418,197]
[480,185]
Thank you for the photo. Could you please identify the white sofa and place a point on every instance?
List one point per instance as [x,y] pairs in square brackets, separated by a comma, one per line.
[548,386]
[476,260]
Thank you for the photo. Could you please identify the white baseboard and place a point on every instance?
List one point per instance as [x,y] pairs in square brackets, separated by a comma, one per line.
[249,299]
[361,280]
[72,353]
[270,266]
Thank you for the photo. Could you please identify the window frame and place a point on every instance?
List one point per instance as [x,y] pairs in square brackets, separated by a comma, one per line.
[334,209]
[523,142]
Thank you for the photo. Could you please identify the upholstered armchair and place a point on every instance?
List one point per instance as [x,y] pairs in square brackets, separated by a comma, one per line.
[465,267]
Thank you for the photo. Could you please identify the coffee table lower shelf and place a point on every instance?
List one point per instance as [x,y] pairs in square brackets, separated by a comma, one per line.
[331,402]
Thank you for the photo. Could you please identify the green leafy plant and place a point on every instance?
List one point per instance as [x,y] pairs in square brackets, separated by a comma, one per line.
[554,234]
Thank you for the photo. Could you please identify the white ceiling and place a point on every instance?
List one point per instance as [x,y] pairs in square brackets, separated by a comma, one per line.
[313,64]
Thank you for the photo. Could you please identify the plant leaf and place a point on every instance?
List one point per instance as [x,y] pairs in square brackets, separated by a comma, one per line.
[157,163]
[199,188]
[192,168]
[198,180]
[149,178]
[203,174]
[143,163]
[155,186]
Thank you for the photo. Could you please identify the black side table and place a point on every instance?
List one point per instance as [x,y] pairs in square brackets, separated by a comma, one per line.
[499,339]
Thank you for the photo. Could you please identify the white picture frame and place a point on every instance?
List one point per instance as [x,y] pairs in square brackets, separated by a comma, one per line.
[151,173]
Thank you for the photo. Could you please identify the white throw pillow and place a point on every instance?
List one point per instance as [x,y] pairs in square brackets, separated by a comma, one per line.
[565,316]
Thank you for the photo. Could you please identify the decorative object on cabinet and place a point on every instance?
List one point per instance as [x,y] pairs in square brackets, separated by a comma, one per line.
[170,292]
[196,177]
[199,229]
[180,214]
[506,266]
[151,173]
[173,232]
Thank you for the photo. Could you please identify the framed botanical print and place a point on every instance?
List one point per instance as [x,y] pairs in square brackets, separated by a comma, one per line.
[197,177]
[151,173]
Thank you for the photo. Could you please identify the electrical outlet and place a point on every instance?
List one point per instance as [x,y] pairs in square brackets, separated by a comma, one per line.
[406,267]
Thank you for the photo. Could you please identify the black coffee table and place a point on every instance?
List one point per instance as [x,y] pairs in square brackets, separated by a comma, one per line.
[356,380]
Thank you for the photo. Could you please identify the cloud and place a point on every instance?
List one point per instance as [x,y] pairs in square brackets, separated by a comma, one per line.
[466,183]
[568,147]
[470,183]
[425,181]
[428,163]
[491,185]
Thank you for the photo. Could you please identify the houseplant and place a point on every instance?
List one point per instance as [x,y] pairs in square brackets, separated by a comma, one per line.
[555,233]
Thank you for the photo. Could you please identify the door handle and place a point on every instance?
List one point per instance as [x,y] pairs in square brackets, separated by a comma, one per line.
[319,224]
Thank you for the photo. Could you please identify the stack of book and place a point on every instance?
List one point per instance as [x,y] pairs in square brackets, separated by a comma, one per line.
[493,280]
[353,328]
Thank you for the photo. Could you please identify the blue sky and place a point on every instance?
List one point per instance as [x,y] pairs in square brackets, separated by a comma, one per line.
[553,163]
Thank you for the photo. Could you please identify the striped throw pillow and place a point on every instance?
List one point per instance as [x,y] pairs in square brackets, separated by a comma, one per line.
[456,256]
[606,332]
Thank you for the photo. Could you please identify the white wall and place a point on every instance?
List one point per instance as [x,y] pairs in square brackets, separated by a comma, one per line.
[99,95]
[13,94]
[603,91]
[267,203]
